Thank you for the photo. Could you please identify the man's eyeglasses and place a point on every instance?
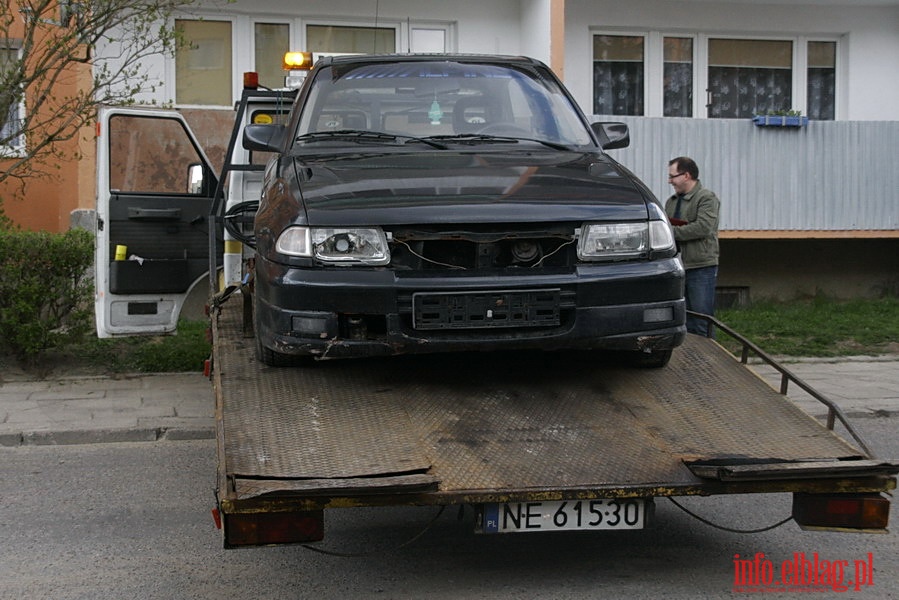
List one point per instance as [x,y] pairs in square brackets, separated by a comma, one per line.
[676,175]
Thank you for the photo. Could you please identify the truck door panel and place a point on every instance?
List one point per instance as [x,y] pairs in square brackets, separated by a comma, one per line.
[154,194]
[167,243]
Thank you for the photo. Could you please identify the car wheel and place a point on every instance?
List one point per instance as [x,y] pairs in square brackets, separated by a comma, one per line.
[649,360]
[273,358]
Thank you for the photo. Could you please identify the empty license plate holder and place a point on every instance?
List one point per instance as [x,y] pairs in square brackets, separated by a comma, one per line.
[486,309]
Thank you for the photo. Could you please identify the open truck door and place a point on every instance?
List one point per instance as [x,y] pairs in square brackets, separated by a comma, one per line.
[154,193]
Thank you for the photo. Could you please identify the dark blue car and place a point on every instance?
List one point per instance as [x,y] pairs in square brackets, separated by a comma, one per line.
[455,203]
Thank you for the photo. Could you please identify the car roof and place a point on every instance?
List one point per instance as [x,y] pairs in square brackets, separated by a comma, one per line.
[395,58]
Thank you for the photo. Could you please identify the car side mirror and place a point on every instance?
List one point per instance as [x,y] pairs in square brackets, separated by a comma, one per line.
[195,178]
[611,135]
[265,138]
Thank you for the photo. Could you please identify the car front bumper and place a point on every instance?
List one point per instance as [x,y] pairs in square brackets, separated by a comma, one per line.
[343,312]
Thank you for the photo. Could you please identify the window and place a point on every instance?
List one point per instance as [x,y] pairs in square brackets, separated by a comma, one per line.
[677,74]
[10,127]
[618,75]
[332,38]
[427,98]
[821,80]
[150,154]
[426,40]
[271,41]
[678,77]
[750,77]
[203,73]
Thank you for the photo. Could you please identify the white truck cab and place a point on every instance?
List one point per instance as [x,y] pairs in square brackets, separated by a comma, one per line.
[161,213]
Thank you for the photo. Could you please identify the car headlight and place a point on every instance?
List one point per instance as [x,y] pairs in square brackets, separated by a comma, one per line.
[615,241]
[609,241]
[338,245]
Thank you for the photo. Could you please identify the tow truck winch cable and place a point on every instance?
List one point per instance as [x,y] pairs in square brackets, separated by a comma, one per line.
[723,528]
[380,551]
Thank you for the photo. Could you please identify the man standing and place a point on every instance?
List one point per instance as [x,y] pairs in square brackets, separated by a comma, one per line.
[693,211]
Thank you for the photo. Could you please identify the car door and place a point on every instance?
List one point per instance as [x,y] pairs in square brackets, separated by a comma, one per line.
[154,194]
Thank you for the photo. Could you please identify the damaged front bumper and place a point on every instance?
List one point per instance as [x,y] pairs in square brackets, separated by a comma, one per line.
[340,313]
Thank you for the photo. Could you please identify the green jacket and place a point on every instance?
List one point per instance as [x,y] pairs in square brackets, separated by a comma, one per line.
[698,239]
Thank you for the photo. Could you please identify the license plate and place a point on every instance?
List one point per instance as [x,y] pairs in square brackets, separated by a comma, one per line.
[485,309]
[563,515]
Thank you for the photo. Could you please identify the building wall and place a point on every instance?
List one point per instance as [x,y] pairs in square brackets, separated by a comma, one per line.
[769,267]
[794,268]
[830,176]
[867,34]
[476,26]
[45,201]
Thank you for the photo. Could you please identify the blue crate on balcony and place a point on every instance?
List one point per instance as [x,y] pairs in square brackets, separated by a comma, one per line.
[780,120]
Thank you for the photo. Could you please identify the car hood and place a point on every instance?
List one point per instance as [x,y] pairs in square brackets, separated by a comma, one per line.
[459,187]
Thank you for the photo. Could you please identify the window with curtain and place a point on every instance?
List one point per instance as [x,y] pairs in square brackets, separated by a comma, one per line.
[821,80]
[618,71]
[203,71]
[364,40]
[750,77]
[678,77]
[271,41]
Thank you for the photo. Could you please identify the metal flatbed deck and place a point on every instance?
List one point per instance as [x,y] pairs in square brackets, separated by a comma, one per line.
[496,427]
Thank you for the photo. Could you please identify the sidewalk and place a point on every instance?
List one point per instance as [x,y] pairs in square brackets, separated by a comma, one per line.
[146,408]
[88,410]
[862,386]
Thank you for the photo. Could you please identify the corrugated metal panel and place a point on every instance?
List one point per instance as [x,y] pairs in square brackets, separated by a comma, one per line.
[828,176]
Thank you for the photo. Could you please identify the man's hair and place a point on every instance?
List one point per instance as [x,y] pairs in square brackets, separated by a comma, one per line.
[685,164]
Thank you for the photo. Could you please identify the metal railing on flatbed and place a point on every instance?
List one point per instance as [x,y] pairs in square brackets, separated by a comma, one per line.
[834,412]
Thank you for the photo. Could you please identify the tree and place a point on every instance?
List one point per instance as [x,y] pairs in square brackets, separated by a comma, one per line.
[50,81]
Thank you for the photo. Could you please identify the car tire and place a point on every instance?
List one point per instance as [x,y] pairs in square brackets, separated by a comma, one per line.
[273,358]
[649,360]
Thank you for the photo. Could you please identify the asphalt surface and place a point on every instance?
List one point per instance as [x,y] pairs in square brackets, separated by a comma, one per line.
[181,406]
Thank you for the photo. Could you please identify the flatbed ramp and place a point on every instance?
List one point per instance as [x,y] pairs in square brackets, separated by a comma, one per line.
[497,427]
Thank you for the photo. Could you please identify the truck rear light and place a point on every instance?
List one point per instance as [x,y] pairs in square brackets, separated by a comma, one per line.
[250,80]
[262,529]
[869,512]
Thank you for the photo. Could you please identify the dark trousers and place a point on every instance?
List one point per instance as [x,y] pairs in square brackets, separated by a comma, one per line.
[700,296]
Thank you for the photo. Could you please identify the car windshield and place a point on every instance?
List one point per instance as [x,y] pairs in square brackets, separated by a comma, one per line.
[443,101]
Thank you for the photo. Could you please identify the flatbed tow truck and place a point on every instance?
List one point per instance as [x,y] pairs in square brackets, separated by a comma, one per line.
[534,441]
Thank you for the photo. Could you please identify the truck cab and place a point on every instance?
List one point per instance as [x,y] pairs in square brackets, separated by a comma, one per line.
[167,222]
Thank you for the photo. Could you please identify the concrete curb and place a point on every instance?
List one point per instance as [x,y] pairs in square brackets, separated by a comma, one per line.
[105,436]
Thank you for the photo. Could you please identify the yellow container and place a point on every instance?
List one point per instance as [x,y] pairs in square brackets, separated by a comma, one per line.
[121,252]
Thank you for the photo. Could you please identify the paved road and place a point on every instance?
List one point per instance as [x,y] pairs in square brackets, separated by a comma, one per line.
[131,520]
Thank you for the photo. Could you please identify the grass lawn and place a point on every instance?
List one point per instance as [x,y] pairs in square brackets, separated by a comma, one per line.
[818,327]
[183,352]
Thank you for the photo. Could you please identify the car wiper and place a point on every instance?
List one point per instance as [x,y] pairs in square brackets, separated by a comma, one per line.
[361,135]
[500,139]
[317,136]
[428,140]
